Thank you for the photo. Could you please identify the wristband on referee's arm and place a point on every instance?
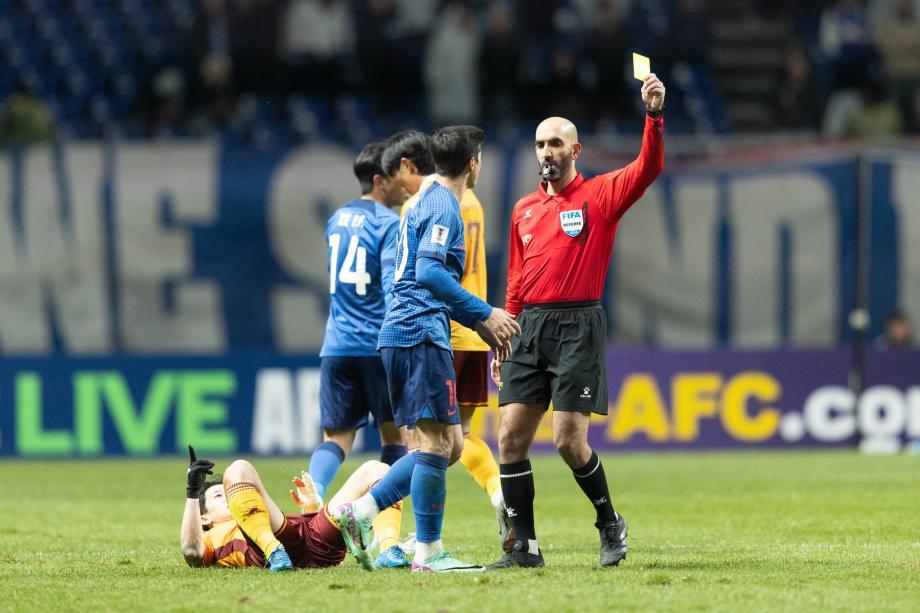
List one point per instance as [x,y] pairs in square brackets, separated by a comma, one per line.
[655,114]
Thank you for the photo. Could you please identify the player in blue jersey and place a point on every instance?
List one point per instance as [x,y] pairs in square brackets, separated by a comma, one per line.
[415,345]
[361,235]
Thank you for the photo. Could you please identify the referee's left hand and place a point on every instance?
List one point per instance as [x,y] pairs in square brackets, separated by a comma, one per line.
[503,353]
[653,93]
[497,371]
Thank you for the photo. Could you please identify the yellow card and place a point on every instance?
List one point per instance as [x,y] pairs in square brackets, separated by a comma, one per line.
[642,66]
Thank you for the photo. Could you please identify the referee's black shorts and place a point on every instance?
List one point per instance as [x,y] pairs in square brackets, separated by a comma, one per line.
[559,356]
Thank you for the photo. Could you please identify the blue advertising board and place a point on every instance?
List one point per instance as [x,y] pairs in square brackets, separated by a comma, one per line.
[265,404]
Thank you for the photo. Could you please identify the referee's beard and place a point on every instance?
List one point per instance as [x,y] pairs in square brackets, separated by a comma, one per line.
[557,170]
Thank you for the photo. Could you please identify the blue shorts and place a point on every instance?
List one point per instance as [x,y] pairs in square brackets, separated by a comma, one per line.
[422,384]
[349,389]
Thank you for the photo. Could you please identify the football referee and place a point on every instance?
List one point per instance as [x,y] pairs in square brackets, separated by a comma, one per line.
[560,246]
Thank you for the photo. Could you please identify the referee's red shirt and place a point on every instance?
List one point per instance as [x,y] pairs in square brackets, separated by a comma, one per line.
[561,244]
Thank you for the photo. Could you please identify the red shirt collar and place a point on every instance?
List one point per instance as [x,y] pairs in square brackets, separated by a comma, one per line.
[544,196]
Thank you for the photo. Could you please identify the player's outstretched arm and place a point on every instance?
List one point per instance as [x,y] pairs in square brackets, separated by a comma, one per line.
[494,325]
[192,534]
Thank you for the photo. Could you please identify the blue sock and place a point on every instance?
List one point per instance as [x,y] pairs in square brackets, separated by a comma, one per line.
[389,454]
[429,492]
[395,484]
[324,463]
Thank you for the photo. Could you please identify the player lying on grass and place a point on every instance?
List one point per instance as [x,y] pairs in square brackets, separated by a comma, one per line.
[234,522]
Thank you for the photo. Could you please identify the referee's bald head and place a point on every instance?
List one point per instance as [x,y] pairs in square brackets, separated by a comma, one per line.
[558,126]
[556,145]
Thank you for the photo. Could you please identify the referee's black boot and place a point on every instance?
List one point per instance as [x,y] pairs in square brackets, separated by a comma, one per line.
[613,541]
[519,557]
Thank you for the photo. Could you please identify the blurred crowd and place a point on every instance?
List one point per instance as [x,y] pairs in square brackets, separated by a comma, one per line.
[849,68]
[444,62]
[864,64]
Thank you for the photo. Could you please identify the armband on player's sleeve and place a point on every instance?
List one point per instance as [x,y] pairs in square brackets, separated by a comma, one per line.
[466,308]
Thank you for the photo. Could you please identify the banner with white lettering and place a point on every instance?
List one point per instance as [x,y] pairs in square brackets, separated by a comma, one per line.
[203,248]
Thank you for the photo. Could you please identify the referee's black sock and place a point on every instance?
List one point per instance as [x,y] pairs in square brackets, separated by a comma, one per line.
[518,490]
[593,483]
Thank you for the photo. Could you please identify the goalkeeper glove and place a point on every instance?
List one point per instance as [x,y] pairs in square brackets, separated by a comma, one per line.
[198,471]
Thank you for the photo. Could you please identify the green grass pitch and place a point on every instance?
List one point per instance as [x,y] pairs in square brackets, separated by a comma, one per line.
[725,531]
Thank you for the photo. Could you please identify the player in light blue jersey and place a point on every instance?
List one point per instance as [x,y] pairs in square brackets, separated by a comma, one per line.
[415,346]
[361,235]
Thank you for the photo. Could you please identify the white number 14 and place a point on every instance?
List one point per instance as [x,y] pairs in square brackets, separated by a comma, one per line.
[355,257]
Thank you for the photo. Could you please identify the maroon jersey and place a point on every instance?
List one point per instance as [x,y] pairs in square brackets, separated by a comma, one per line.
[312,540]
[561,243]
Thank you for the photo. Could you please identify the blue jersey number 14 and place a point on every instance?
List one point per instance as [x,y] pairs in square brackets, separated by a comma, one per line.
[354,266]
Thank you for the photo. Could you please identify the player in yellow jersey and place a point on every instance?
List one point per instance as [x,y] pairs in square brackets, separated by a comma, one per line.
[232,521]
[407,158]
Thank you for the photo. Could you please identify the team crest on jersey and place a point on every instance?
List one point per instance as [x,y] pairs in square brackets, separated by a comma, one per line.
[572,222]
[439,234]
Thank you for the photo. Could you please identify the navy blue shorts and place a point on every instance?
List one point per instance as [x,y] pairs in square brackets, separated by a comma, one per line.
[350,388]
[421,380]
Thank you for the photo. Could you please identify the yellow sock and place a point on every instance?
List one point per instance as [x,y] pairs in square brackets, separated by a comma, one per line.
[249,510]
[480,463]
[386,526]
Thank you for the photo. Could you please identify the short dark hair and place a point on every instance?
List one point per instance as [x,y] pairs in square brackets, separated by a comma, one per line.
[454,146]
[367,164]
[215,480]
[412,145]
